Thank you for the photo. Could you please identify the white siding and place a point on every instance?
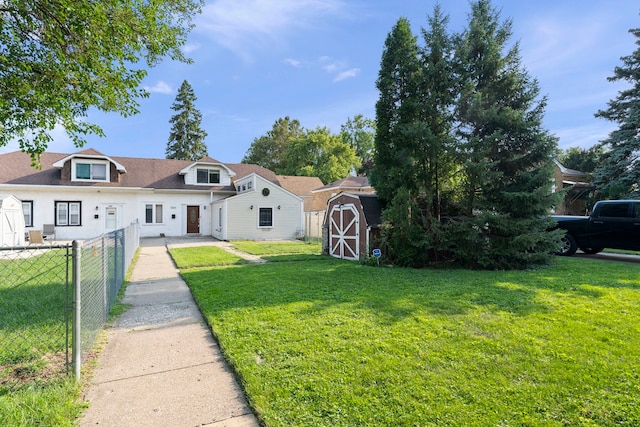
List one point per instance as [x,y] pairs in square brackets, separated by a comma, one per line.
[130,205]
[287,214]
[190,177]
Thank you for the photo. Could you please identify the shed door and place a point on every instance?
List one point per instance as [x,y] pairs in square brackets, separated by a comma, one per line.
[344,232]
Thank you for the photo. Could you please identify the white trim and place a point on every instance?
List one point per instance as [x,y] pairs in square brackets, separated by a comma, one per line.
[343,239]
[60,163]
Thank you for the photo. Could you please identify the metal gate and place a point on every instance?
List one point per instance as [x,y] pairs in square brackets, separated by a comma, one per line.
[344,232]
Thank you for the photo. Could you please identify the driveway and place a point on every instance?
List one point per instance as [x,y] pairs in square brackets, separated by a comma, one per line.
[607,256]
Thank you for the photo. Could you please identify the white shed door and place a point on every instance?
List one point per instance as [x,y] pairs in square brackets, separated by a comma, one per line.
[344,232]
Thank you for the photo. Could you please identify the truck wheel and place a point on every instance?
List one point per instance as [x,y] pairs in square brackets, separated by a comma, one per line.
[591,251]
[568,246]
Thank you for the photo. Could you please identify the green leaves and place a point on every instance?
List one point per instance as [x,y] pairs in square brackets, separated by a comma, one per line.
[62,58]
[460,135]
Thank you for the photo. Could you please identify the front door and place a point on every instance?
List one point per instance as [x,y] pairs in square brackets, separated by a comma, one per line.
[111,220]
[193,219]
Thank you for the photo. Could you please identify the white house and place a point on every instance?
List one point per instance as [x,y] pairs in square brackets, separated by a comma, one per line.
[87,193]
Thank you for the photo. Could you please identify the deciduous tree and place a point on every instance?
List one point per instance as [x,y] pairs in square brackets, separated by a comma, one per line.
[270,150]
[321,153]
[186,139]
[61,58]
[360,132]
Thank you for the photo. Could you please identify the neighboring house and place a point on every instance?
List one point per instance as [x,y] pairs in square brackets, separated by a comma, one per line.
[576,199]
[321,196]
[302,186]
[87,193]
[350,184]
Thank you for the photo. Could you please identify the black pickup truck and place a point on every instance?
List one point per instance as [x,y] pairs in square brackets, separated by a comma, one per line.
[612,224]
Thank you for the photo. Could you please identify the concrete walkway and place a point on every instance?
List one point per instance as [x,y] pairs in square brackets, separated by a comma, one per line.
[161,365]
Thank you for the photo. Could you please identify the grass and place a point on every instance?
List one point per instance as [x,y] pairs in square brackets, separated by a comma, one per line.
[34,387]
[30,306]
[277,248]
[342,344]
[203,256]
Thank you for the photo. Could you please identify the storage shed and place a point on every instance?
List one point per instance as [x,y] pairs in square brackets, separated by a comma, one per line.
[11,222]
[352,223]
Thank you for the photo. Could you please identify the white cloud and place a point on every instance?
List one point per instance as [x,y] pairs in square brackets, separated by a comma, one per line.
[247,26]
[159,87]
[347,74]
[190,47]
[293,62]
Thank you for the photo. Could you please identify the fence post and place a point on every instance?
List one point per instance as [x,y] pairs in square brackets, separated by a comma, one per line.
[105,279]
[77,288]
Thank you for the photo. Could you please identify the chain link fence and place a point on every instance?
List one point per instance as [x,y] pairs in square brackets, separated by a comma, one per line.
[35,293]
[54,301]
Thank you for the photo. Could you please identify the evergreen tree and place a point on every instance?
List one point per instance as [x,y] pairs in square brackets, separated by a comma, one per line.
[505,153]
[418,145]
[618,175]
[396,106]
[186,139]
[432,135]
[270,150]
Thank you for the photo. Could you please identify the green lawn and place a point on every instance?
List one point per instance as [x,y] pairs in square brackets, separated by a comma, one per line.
[203,256]
[277,248]
[331,342]
[34,387]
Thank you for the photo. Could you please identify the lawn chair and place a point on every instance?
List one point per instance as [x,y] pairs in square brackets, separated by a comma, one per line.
[35,237]
[49,231]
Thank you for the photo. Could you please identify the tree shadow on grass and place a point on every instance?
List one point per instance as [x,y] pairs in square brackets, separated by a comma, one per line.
[392,294]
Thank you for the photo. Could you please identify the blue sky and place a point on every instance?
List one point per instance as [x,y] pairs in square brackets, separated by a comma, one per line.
[317,61]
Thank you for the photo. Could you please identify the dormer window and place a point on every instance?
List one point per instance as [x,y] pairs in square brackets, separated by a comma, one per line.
[85,170]
[207,176]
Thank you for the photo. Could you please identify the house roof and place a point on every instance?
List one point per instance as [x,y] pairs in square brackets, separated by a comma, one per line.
[566,172]
[15,168]
[300,185]
[350,182]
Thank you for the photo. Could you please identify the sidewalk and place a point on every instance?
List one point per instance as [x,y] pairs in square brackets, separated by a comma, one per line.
[161,366]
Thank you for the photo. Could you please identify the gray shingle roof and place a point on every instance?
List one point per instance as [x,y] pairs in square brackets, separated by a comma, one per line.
[15,168]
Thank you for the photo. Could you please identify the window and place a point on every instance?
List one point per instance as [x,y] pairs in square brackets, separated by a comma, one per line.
[615,210]
[90,171]
[249,185]
[68,213]
[153,214]
[266,217]
[207,176]
[27,210]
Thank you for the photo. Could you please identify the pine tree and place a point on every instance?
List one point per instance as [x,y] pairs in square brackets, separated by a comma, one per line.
[396,107]
[186,139]
[618,175]
[413,140]
[505,153]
